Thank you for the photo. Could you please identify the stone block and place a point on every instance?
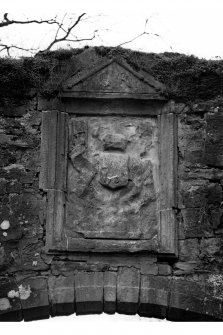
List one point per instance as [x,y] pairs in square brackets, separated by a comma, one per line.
[191,137]
[13,231]
[213,309]
[10,259]
[31,250]
[189,250]
[211,248]
[61,295]
[164,269]
[154,293]
[149,269]
[25,211]
[214,139]
[114,141]
[27,178]
[45,104]
[183,268]
[128,282]
[11,110]
[199,193]
[138,261]
[185,307]
[67,268]
[34,298]
[3,186]
[196,222]
[10,306]
[199,172]
[186,300]
[110,283]
[89,292]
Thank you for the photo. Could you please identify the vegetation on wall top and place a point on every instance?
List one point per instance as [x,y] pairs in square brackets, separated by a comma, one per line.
[187,78]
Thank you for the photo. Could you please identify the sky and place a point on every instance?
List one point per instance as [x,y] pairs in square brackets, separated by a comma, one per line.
[184,26]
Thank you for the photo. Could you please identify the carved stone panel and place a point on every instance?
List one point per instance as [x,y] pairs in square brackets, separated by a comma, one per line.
[113,79]
[112,185]
[108,165]
[110,182]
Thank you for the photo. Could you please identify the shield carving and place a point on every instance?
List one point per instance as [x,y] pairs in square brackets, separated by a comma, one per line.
[113,170]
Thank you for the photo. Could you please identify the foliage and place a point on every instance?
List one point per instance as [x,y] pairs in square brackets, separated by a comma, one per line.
[187,78]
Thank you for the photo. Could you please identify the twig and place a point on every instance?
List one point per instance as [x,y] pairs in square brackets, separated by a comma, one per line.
[66,35]
[6,21]
[8,47]
[143,33]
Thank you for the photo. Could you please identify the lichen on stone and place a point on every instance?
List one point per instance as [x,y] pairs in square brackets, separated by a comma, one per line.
[24,292]
[4,304]
[216,283]
[5,225]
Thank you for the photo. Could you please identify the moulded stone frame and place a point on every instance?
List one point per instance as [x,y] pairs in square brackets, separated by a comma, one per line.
[54,146]
[53,181]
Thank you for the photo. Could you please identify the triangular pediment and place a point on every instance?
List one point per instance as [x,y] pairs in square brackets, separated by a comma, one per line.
[113,78]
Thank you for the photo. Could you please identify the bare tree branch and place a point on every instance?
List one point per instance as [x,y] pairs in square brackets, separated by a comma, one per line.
[64,29]
[143,33]
[82,39]
[6,21]
[9,47]
[66,33]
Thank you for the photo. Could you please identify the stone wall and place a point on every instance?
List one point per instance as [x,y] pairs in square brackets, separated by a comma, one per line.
[34,285]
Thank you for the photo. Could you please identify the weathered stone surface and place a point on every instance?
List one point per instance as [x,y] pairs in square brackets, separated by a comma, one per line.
[191,138]
[10,259]
[128,282]
[196,222]
[128,186]
[186,300]
[214,286]
[89,292]
[45,104]
[10,307]
[149,269]
[114,171]
[66,268]
[168,180]
[199,193]
[214,139]
[154,296]
[114,142]
[212,309]
[183,268]
[164,269]
[34,298]
[31,250]
[187,172]
[24,215]
[145,263]
[113,77]
[11,110]
[66,265]
[110,284]
[189,250]
[3,185]
[61,295]
[102,183]
[211,249]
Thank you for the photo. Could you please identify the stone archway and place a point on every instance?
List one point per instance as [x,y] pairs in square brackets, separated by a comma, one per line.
[115,213]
